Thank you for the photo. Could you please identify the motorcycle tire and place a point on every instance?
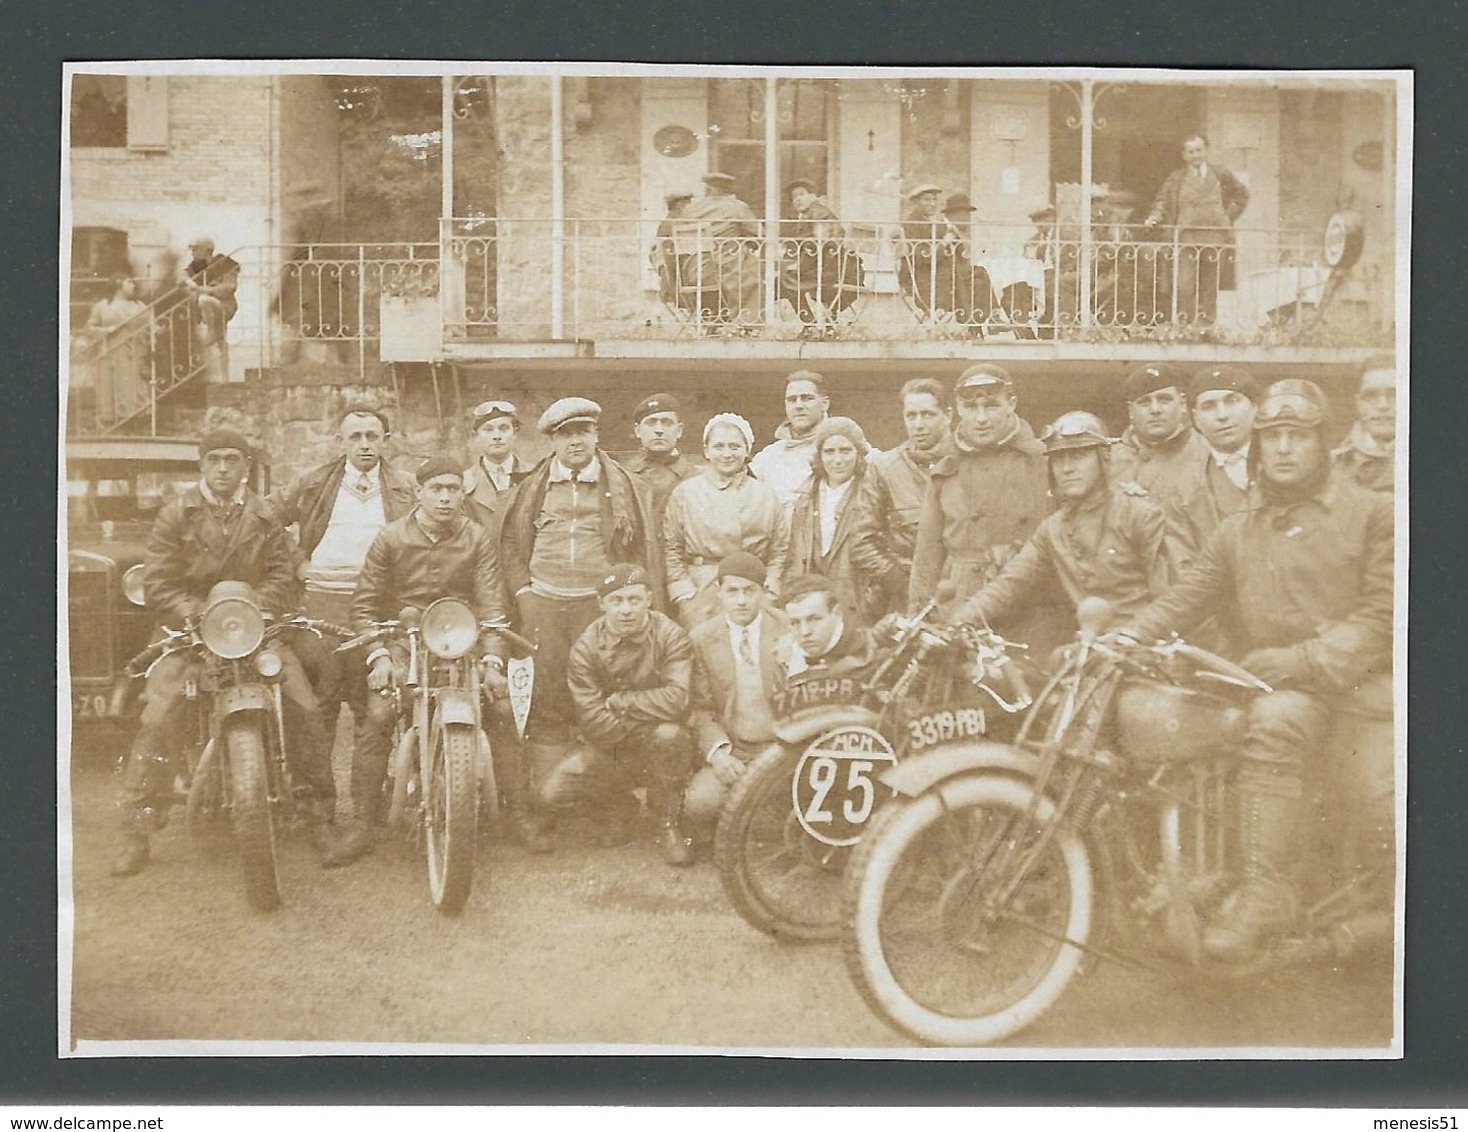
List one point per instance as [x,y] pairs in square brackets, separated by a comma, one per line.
[922,948]
[779,879]
[453,811]
[254,829]
[205,816]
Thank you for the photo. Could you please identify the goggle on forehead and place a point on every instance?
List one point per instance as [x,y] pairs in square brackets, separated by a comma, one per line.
[1291,409]
[1057,435]
[492,408]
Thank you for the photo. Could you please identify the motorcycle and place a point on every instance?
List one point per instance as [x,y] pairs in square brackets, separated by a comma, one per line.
[1105,830]
[789,822]
[237,773]
[441,772]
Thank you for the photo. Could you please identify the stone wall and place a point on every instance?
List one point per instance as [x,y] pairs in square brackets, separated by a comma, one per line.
[523,132]
[935,141]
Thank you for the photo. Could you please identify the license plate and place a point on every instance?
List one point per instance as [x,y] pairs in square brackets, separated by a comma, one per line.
[90,705]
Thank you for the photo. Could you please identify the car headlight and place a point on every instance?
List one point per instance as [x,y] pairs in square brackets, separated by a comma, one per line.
[268,663]
[449,628]
[232,627]
[132,584]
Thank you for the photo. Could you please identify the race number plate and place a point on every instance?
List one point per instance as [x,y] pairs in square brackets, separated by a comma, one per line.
[943,726]
[835,784]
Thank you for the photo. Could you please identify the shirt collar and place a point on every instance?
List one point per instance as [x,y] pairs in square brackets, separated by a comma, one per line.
[559,473]
[830,491]
[214,501]
[374,477]
[735,632]
[1228,459]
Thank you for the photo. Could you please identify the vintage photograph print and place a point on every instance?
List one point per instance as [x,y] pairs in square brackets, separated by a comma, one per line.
[813,561]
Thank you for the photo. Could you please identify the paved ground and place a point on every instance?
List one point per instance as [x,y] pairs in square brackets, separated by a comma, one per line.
[585,946]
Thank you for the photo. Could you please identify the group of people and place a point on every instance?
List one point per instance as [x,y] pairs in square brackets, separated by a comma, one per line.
[671,603]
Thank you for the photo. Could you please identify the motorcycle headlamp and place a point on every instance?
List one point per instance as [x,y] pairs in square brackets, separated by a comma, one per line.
[132,584]
[232,627]
[268,663]
[449,628]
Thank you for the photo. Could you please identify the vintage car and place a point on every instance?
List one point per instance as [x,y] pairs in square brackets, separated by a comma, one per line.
[114,490]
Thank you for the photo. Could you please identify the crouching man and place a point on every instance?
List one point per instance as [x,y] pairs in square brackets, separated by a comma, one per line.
[630,676]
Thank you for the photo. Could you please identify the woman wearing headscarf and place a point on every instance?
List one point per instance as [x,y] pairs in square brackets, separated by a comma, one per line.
[826,519]
[717,512]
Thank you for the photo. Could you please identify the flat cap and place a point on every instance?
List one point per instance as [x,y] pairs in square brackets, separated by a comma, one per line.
[436,466]
[1222,377]
[984,375]
[673,195]
[801,183]
[1047,212]
[1151,377]
[718,178]
[742,564]
[569,410]
[657,403]
[923,187]
[217,438]
[621,574]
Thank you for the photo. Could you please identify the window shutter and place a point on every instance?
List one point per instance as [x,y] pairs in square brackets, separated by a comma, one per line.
[147,112]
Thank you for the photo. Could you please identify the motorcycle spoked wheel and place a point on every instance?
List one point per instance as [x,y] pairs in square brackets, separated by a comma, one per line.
[452,812]
[778,878]
[205,815]
[254,830]
[921,943]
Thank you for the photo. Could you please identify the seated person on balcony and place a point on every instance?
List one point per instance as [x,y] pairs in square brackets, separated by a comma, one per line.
[630,675]
[1303,578]
[1102,542]
[725,260]
[211,281]
[736,666]
[433,551]
[933,266]
[1200,202]
[664,253]
[971,292]
[819,273]
[1367,454]
[215,532]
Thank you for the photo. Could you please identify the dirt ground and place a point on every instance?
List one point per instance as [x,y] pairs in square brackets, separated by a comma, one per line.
[584,947]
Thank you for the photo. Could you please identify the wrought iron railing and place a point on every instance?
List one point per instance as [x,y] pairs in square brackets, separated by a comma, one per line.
[911,280]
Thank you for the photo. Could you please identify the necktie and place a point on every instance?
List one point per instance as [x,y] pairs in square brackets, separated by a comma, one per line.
[362,486]
[746,653]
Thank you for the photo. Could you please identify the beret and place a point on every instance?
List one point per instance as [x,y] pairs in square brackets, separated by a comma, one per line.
[742,564]
[982,375]
[1152,377]
[657,403]
[438,466]
[217,438]
[567,410]
[621,574]
[804,586]
[1223,377]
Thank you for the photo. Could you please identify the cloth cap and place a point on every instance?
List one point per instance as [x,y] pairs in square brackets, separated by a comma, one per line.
[1152,377]
[922,187]
[621,574]
[657,403]
[1077,429]
[217,438]
[488,410]
[718,179]
[1222,377]
[1291,402]
[984,375]
[742,564]
[438,466]
[734,419]
[800,183]
[672,196]
[567,411]
[959,202]
[1046,213]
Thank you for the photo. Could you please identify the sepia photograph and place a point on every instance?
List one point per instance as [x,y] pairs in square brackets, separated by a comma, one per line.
[808,561]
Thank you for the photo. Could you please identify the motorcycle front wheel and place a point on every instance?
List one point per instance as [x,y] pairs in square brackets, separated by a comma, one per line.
[960,927]
[453,810]
[250,806]
[778,878]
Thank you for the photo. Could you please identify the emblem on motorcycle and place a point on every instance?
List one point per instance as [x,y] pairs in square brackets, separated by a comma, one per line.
[520,672]
[834,789]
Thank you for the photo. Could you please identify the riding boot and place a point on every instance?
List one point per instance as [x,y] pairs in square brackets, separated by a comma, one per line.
[319,824]
[353,845]
[143,776]
[1265,906]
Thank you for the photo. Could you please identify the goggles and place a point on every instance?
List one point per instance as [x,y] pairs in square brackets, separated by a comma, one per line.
[1072,434]
[487,409]
[1289,409]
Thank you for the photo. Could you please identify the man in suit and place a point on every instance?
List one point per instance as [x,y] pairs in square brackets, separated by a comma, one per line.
[1201,200]
[735,672]
[1223,400]
[494,427]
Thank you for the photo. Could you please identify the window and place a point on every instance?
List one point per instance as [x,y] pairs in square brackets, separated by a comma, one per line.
[99,110]
[737,130]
